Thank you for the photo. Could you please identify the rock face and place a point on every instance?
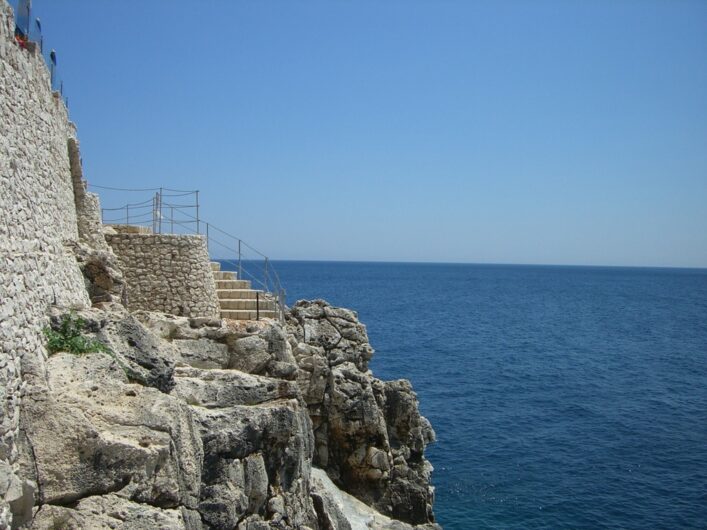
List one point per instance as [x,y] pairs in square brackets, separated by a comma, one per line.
[103,280]
[199,423]
[369,435]
[93,433]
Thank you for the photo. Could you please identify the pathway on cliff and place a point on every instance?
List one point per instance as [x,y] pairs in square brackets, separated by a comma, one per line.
[237,298]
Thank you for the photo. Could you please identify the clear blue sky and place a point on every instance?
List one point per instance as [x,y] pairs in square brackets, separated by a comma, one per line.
[568,132]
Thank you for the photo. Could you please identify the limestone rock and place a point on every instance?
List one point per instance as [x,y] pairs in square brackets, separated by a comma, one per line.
[336,330]
[337,510]
[260,348]
[200,441]
[369,435]
[93,433]
[145,358]
[226,388]
[202,353]
[111,512]
[253,453]
[103,278]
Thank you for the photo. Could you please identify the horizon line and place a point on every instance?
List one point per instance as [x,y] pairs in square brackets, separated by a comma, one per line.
[497,264]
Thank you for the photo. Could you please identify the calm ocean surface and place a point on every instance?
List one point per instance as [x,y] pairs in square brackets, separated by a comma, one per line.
[562,397]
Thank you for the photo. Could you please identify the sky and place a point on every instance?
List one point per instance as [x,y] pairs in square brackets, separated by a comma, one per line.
[539,132]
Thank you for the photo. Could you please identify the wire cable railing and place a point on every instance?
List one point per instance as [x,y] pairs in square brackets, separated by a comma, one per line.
[183,218]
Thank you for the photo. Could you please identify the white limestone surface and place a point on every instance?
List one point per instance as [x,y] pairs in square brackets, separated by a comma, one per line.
[359,515]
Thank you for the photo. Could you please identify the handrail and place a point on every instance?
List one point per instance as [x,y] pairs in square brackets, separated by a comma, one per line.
[175,218]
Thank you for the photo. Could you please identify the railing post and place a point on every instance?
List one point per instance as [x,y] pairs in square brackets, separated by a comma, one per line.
[257,305]
[159,215]
[154,214]
[265,276]
[207,237]
[240,267]
[282,305]
[197,211]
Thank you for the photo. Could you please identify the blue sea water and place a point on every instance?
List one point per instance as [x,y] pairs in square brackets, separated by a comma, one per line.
[562,397]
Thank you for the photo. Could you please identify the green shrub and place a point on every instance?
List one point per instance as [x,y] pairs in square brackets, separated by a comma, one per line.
[68,337]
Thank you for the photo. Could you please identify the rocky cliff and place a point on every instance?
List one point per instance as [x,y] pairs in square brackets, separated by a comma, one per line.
[203,423]
[173,422]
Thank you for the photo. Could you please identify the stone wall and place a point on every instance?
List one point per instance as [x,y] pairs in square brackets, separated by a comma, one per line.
[167,273]
[88,207]
[38,216]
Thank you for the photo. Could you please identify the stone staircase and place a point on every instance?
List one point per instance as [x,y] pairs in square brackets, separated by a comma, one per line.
[238,300]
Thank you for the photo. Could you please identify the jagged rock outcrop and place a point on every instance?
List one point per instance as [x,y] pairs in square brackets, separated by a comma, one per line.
[102,277]
[201,423]
[211,447]
[369,434]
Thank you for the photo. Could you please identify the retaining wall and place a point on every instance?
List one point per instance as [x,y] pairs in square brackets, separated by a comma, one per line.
[167,273]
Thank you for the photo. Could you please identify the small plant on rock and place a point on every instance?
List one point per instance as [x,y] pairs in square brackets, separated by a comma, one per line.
[69,338]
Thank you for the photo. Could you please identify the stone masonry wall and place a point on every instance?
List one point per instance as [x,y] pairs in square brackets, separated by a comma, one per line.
[167,273]
[88,208]
[37,220]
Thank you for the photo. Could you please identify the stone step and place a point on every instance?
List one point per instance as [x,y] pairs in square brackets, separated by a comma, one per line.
[232,284]
[238,294]
[246,314]
[215,266]
[265,305]
[224,275]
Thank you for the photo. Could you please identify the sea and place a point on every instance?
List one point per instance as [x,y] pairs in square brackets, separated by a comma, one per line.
[562,397]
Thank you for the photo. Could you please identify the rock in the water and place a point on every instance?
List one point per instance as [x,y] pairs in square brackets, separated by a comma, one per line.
[337,510]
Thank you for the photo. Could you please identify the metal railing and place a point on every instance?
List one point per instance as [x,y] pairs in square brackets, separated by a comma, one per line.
[28,35]
[163,216]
